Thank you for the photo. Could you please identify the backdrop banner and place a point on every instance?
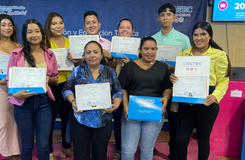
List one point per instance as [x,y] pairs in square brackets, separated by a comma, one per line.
[143,14]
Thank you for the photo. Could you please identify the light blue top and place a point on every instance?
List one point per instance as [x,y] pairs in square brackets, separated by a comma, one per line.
[174,37]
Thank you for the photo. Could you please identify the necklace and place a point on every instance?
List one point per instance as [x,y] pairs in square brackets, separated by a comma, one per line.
[147,64]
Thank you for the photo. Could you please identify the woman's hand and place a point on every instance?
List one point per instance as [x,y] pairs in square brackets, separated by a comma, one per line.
[3,81]
[75,61]
[23,94]
[74,106]
[107,54]
[173,78]
[125,110]
[125,59]
[110,110]
[164,101]
[210,99]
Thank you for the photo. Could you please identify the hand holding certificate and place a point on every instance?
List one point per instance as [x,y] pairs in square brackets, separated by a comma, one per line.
[167,53]
[27,78]
[93,96]
[125,46]
[77,44]
[63,64]
[4,59]
[193,79]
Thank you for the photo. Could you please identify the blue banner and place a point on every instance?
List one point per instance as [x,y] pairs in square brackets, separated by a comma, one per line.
[143,14]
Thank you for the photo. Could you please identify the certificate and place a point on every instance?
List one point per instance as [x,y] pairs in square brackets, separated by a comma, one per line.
[168,53]
[4,59]
[145,108]
[193,84]
[93,96]
[63,64]
[125,46]
[27,78]
[77,44]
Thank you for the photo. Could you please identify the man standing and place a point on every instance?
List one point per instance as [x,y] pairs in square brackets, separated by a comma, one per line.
[168,35]
[91,26]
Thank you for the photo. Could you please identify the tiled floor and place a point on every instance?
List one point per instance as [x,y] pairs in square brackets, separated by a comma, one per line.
[163,137]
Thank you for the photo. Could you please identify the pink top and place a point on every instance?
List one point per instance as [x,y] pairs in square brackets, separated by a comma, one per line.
[17,59]
[105,43]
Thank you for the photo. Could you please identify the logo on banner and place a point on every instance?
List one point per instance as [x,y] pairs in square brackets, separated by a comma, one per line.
[13,10]
[223,5]
[183,12]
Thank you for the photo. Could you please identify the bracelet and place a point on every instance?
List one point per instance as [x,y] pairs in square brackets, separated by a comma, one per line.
[74,100]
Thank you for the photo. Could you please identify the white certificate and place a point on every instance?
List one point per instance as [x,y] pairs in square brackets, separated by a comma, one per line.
[27,78]
[193,74]
[93,96]
[127,46]
[63,64]
[77,44]
[167,53]
[4,59]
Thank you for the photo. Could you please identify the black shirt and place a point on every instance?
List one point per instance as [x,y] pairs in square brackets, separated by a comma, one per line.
[151,82]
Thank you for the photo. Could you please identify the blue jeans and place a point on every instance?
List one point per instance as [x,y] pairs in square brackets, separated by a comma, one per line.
[34,114]
[143,132]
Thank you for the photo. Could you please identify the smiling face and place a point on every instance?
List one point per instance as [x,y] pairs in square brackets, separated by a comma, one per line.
[91,25]
[201,38]
[33,34]
[93,55]
[125,29]
[166,18]
[148,51]
[57,26]
[6,28]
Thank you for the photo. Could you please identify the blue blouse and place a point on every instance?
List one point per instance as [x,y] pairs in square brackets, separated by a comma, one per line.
[93,118]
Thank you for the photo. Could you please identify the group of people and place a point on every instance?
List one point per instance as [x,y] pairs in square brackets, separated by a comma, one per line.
[24,112]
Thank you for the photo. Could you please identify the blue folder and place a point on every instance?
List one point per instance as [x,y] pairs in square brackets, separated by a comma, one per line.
[31,90]
[145,108]
[2,76]
[120,55]
[171,63]
[188,100]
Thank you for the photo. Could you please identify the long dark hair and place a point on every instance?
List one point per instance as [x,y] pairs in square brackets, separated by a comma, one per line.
[142,42]
[207,27]
[26,49]
[13,37]
[47,27]
[103,61]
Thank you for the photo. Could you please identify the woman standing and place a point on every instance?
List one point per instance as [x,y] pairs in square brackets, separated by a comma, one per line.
[198,115]
[33,111]
[143,77]
[54,27]
[9,135]
[92,125]
[125,29]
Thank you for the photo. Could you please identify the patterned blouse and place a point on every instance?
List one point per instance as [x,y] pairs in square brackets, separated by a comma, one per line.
[93,118]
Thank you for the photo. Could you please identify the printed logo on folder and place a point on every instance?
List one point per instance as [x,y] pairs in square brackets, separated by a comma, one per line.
[145,108]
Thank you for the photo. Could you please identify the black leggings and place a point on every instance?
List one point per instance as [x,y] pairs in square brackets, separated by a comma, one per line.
[63,108]
[117,116]
[82,136]
[200,116]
